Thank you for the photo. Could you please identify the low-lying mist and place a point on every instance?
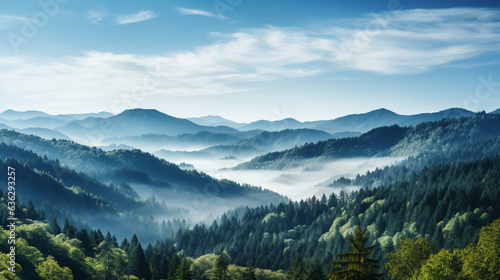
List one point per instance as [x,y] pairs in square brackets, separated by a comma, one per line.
[310,179]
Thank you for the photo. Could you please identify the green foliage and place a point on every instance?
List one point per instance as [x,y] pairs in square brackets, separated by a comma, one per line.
[50,270]
[184,272]
[357,264]
[220,269]
[406,261]
[4,268]
[314,271]
[444,265]
[483,261]
[479,261]
[297,270]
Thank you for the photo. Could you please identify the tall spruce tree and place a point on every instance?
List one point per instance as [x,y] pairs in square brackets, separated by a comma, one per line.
[138,265]
[184,270]
[356,265]
[314,271]
[174,264]
[221,267]
[297,270]
[155,264]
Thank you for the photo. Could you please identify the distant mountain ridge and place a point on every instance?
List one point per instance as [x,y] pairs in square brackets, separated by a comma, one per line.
[480,133]
[25,115]
[135,122]
[212,120]
[95,127]
[359,122]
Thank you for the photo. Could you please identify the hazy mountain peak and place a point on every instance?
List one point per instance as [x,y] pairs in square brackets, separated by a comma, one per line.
[382,111]
[23,115]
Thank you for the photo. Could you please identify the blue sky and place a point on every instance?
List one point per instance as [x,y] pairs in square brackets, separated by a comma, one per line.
[247,60]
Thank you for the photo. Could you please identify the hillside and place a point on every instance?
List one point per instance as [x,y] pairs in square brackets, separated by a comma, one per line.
[375,142]
[447,203]
[269,141]
[147,175]
[439,137]
[199,140]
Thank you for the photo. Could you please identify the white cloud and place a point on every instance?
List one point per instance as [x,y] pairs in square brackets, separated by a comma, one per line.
[137,17]
[411,41]
[96,16]
[184,11]
[6,20]
[397,44]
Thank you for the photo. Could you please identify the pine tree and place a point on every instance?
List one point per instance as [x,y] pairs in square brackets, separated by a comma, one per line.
[314,271]
[86,244]
[124,244]
[221,267]
[31,211]
[155,264]
[174,264]
[68,229]
[184,270]
[356,265]
[55,229]
[297,270]
[138,265]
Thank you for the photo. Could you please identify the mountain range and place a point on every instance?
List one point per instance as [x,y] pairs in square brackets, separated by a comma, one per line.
[95,127]
[445,140]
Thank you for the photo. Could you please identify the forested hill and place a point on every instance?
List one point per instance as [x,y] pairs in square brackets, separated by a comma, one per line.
[271,141]
[444,138]
[375,142]
[118,190]
[448,204]
[131,166]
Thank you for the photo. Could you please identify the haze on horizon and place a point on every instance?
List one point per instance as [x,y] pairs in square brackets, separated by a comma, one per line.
[190,59]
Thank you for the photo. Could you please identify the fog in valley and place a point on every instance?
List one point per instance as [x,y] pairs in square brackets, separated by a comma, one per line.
[310,179]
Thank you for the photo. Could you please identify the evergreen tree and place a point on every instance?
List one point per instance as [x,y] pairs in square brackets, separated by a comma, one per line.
[86,244]
[124,244]
[137,262]
[68,229]
[356,265]
[297,270]
[54,227]
[31,211]
[174,264]
[221,267]
[184,270]
[155,264]
[314,271]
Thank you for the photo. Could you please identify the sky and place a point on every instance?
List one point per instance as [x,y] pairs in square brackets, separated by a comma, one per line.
[247,60]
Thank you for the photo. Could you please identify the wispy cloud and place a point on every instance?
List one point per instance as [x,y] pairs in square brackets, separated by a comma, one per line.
[410,41]
[184,11]
[137,17]
[6,20]
[96,16]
